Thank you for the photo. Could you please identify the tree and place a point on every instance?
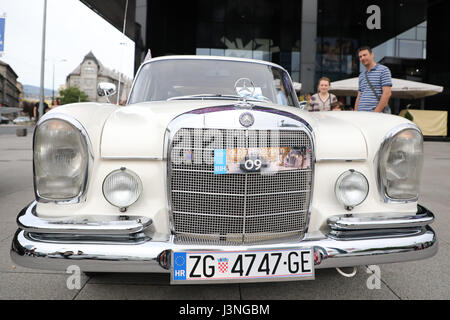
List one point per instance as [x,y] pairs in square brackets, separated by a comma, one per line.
[72,95]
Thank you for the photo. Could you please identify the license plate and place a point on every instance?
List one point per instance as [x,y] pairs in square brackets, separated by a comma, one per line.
[241,266]
[264,160]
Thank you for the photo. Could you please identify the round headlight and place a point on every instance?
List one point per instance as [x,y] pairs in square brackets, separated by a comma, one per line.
[122,188]
[351,188]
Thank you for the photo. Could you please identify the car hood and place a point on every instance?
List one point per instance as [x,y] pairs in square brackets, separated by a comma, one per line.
[138,131]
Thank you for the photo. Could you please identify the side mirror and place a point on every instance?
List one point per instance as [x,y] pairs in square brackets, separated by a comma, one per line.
[106,89]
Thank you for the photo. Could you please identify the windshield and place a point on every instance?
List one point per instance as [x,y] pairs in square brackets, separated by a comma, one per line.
[210,79]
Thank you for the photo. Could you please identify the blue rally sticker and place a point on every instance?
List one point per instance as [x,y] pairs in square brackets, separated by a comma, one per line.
[220,161]
[179,266]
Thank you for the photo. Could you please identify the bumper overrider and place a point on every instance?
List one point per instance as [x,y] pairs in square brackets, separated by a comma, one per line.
[131,245]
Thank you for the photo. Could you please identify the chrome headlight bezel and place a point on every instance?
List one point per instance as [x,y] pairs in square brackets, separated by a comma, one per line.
[81,196]
[379,158]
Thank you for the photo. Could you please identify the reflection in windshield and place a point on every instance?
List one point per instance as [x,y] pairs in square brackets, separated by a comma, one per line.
[210,79]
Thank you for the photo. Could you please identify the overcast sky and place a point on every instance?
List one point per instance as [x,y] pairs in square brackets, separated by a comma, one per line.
[72,31]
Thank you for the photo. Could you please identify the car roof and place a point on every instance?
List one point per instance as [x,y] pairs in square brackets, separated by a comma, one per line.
[223,58]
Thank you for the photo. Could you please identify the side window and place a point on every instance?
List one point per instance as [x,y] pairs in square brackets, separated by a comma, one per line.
[282,87]
[142,89]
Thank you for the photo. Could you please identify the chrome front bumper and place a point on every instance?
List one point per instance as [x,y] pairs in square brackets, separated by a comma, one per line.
[130,246]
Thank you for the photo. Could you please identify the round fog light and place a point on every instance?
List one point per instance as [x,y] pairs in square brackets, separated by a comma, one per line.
[351,188]
[122,188]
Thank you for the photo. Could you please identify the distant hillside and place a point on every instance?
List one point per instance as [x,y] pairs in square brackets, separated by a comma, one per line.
[33,92]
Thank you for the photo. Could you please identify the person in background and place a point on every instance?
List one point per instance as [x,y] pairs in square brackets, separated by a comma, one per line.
[322,100]
[281,95]
[375,84]
[348,108]
[36,110]
[308,97]
[56,103]
[337,106]
[27,110]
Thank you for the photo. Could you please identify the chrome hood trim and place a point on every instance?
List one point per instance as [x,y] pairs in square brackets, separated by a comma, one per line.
[227,117]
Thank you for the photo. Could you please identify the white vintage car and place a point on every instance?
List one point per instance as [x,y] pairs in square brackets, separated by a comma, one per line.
[213,173]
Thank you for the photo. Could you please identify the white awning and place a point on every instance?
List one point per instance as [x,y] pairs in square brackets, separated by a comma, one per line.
[403,89]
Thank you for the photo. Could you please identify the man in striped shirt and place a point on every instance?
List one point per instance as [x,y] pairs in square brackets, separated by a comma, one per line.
[380,78]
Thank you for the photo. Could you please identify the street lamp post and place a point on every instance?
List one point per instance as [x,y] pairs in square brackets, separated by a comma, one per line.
[53,86]
[123,32]
[41,100]
[120,73]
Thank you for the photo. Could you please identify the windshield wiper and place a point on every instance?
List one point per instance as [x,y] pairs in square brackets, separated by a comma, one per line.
[204,96]
[217,96]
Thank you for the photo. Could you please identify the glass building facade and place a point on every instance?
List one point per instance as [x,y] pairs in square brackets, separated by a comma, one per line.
[309,38]
[272,31]
[255,29]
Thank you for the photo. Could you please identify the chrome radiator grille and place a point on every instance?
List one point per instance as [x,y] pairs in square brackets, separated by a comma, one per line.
[235,208]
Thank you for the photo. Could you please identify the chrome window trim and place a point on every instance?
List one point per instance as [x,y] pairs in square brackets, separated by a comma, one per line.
[81,197]
[196,121]
[377,162]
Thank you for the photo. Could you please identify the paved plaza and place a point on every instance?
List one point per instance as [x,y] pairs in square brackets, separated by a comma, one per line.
[426,279]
